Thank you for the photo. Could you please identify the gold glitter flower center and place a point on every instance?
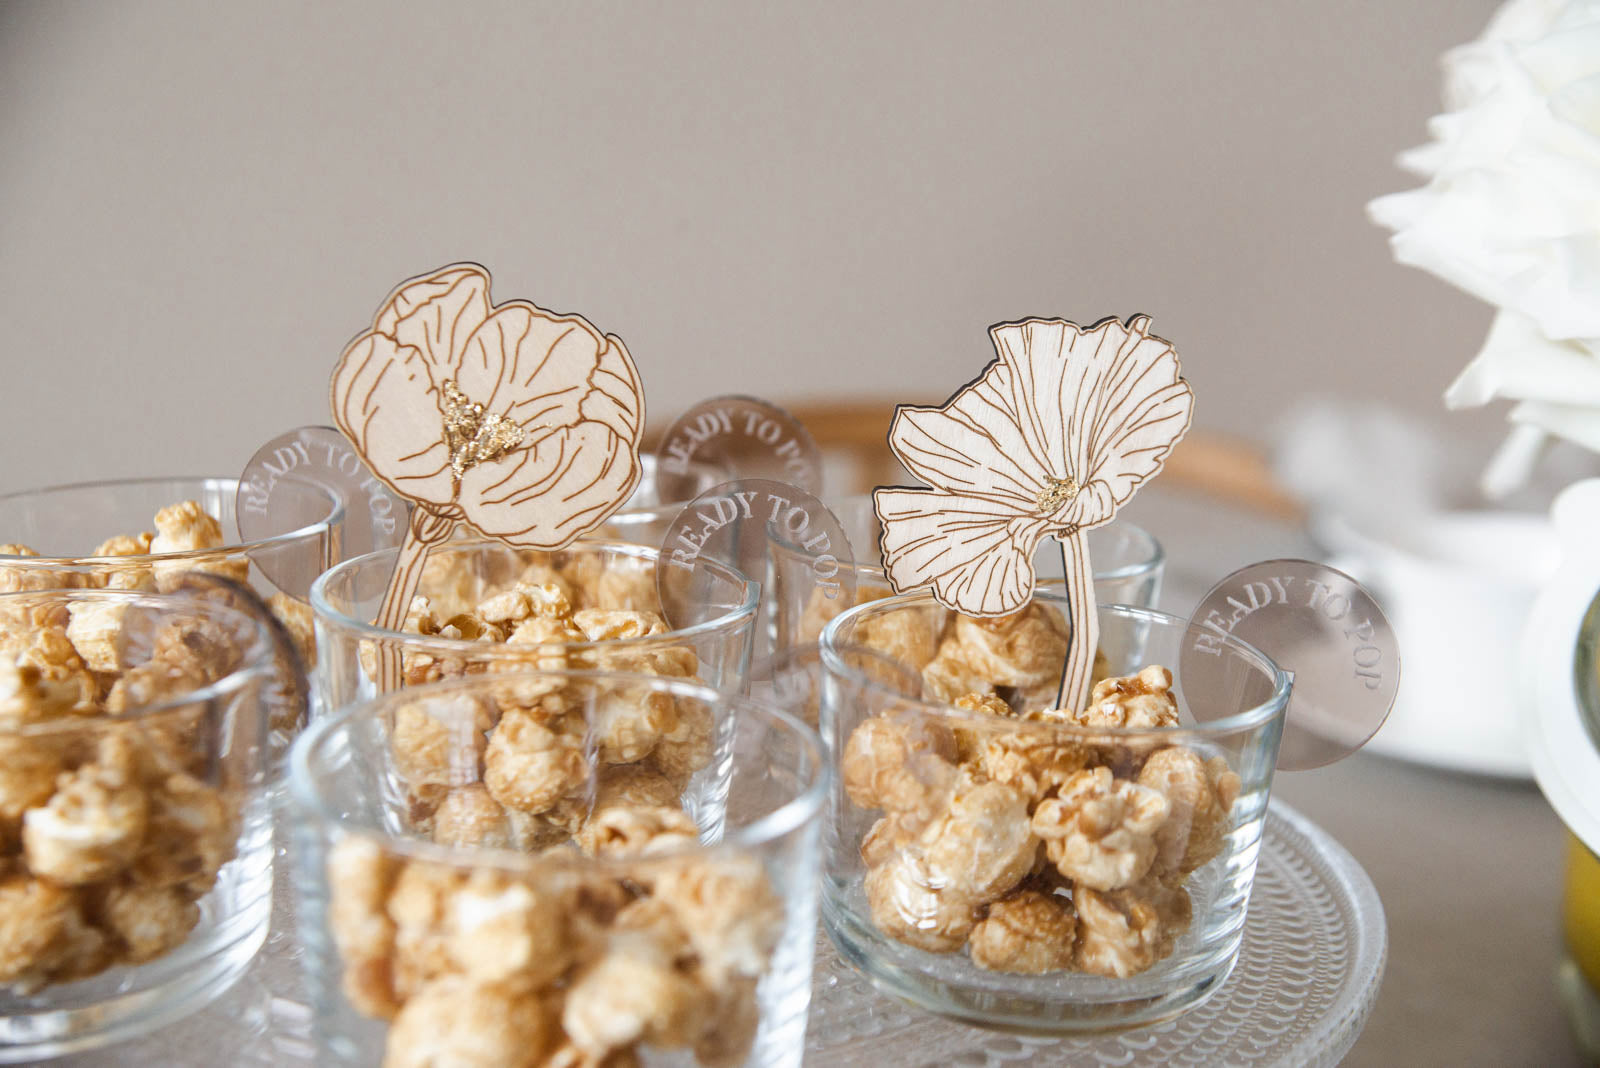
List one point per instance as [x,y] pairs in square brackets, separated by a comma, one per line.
[472,436]
[1057,492]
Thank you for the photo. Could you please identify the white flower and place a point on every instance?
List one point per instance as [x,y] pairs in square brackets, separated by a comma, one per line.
[1511,211]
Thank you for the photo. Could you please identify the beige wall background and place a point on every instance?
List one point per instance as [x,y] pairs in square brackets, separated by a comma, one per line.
[201,203]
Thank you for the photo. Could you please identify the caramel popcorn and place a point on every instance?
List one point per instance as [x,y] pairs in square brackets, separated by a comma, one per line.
[1141,701]
[1023,817]
[150,920]
[17,576]
[549,612]
[110,832]
[1021,653]
[636,992]
[93,632]
[470,816]
[185,527]
[529,767]
[504,928]
[907,904]
[687,746]
[440,741]
[1124,932]
[556,964]
[90,829]
[137,842]
[981,846]
[631,831]
[1200,795]
[1025,932]
[1100,832]
[464,1024]
[129,576]
[360,877]
[28,694]
[898,763]
[36,921]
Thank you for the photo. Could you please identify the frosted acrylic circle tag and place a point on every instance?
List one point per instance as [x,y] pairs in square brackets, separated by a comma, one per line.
[770,532]
[375,516]
[1319,625]
[746,437]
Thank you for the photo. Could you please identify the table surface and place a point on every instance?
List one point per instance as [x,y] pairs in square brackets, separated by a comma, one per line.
[1469,868]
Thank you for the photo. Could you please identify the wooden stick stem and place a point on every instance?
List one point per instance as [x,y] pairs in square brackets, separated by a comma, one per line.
[426,529]
[1079,670]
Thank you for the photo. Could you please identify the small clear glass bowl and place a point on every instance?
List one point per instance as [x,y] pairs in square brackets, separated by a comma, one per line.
[458,575]
[135,845]
[1128,562]
[552,921]
[64,524]
[1115,861]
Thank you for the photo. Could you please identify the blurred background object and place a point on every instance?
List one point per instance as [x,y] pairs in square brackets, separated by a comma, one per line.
[198,201]
[1509,214]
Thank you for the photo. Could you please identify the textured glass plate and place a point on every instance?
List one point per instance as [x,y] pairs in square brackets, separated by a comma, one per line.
[1308,973]
[1313,956]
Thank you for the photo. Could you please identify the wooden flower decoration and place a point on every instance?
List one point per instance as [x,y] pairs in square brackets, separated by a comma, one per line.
[521,422]
[1054,437]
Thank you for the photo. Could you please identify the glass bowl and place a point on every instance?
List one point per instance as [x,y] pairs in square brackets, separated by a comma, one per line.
[1043,872]
[1128,566]
[611,578]
[66,524]
[135,838]
[604,910]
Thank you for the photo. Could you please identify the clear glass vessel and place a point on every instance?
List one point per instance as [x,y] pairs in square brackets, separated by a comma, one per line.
[604,577]
[467,899]
[1036,871]
[135,837]
[1128,565]
[65,524]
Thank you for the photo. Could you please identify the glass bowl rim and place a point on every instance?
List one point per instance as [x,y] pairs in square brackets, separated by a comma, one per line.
[804,806]
[1152,562]
[258,659]
[1274,706]
[322,608]
[335,516]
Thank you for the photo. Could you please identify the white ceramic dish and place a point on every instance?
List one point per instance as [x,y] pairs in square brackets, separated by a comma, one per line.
[1458,588]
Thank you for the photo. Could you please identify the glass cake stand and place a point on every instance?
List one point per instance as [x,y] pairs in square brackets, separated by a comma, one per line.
[1313,956]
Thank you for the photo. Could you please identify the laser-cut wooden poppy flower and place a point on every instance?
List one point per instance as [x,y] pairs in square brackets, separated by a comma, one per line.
[521,422]
[1055,436]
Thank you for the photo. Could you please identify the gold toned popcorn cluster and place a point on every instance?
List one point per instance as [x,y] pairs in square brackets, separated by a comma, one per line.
[186,528]
[1017,657]
[525,601]
[513,768]
[563,962]
[110,833]
[539,762]
[1035,851]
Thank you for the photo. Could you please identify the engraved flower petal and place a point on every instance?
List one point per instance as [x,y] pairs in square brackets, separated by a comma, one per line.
[1103,405]
[545,496]
[960,450]
[525,421]
[436,313]
[973,552]
[1057,433]
[381,393]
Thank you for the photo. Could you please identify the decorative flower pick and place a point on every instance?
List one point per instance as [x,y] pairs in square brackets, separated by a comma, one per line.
[1051,439]
[523,423]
